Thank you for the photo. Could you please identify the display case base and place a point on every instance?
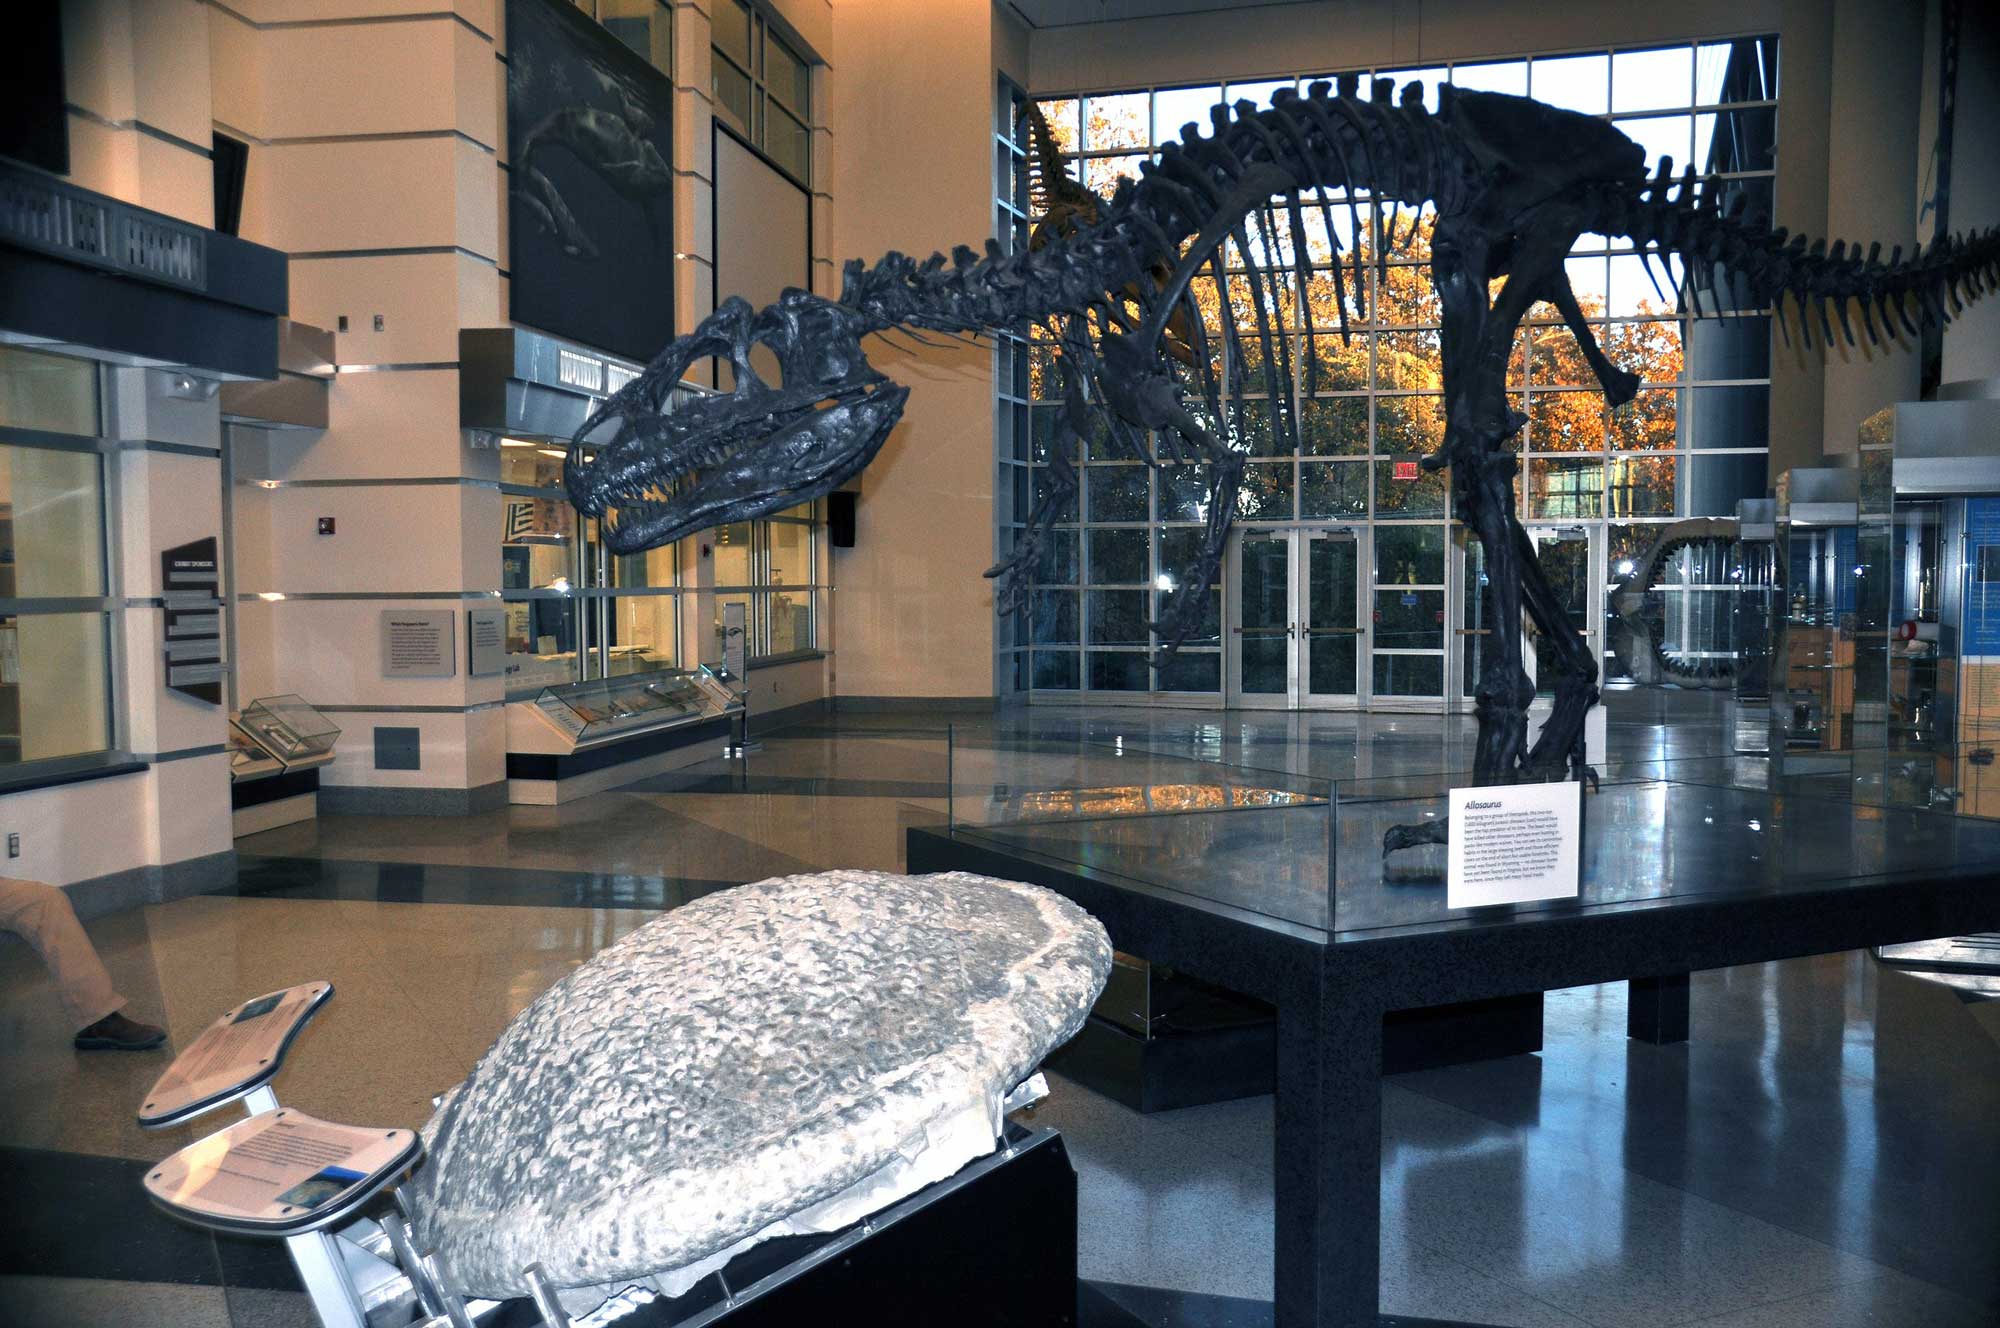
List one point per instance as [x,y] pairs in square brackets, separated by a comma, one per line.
[550,779]
[262,804]
[1218,1064]
[991,1247]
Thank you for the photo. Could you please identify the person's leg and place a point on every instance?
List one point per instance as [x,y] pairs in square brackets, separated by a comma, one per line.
[40,914]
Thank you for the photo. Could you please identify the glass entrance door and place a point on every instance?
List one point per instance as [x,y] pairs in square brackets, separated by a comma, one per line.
[1296,637]
[1263,632]
[1472,633]
[1569,556]
[1408,637]
[1572,560]
[1331,625]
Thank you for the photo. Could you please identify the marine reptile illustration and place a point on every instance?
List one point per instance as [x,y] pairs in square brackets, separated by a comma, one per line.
[616,146]
[1513,183]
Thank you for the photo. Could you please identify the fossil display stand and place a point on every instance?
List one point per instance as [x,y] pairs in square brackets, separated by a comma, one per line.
[994,1244]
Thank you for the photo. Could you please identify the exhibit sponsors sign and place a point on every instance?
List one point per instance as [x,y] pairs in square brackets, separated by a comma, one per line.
[190,584]
[485,642]
[417,643]
[1514,843]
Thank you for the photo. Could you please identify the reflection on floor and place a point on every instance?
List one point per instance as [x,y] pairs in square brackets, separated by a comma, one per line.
[1823,1152]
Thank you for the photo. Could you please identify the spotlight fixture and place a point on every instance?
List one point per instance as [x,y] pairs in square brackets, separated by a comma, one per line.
[184,386]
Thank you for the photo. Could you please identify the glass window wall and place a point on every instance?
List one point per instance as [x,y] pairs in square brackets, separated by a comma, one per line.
[56,609]
[647,26]
[575,610]
[763,87]
[1693,442]
[771,567]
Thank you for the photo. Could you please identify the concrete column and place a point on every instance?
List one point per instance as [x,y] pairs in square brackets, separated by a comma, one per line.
[1972,342]
[914,172]
[1876,83]
[376,148]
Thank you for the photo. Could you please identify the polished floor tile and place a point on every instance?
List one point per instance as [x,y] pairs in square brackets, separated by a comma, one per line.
[1879,1302]
[1822,1151]
[1832,1097]
[46,1302]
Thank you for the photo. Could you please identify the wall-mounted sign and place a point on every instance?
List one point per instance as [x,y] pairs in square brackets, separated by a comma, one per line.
[485,642]
[417,643]
[1403,470]
[190,587]
[1514,843]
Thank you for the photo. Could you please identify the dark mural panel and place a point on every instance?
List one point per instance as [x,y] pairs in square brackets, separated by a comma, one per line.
[34,127]
[590,194]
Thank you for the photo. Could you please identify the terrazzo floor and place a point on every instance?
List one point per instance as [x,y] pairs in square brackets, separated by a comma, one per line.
[1824,1151]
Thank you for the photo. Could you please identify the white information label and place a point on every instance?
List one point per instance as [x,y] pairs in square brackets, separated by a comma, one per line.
[276,1169]
[1514,843]
[418,643]
[240,1048]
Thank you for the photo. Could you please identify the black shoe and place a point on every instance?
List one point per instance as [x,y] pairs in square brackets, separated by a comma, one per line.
[114,1032]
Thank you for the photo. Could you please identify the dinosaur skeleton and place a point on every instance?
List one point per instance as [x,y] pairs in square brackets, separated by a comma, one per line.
[1513,184]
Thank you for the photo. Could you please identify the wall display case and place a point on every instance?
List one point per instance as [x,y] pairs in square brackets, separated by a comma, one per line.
[289,730]
[591,712]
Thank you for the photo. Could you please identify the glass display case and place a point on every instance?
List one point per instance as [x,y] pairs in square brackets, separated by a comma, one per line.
[588,712]
[247,757]
[290,730]
[1818,615]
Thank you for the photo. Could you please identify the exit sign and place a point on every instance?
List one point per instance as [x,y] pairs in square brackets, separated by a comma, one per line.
[1404,470]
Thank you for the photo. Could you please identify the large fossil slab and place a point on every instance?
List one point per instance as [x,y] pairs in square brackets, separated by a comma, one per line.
[781,1056]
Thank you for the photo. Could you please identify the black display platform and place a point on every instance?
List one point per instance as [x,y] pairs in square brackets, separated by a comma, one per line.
[1235,1059]
[993,1246]
[1677,877]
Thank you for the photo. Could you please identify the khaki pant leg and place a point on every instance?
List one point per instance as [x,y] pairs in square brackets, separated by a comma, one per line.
[40,914]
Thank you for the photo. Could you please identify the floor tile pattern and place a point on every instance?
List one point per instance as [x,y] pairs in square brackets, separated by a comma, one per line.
[1823,1151]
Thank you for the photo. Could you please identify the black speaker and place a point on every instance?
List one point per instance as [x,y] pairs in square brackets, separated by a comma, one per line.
[840,518]
[232,161]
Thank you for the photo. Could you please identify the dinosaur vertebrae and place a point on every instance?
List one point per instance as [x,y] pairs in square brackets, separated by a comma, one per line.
[1333,143]
[1391,152]
[1735,252]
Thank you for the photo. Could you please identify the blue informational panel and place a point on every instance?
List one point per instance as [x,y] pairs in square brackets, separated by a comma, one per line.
[1981,616]
[1847,571]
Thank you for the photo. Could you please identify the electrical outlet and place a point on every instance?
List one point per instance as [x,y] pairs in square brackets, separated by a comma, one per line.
[13,844]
